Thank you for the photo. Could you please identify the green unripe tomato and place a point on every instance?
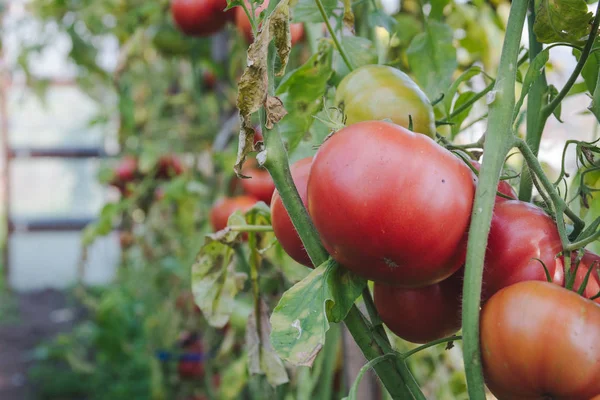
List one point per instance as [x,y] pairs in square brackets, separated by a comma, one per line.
[376,92]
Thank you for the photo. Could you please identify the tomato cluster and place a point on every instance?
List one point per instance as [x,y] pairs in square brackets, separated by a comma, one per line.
[127,173]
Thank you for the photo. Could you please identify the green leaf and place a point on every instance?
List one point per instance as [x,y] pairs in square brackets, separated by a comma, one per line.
[459,118]
[533,72]
[379,18]
[215,282]
[562,21]
[301,319]
[262,359]
[464,77]
[408,26]
[302,91]
[591,67]
[236,376]
[437,8]
[432,58]
[595,105]
[307,11]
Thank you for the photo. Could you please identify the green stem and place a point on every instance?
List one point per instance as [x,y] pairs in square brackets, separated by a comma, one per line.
[431,344]
[535,119]
[498,142]
[469,103]
[278,166]
[336,41]
[549,109]
[371,309]
[251,228]
[363,370]
[584,242]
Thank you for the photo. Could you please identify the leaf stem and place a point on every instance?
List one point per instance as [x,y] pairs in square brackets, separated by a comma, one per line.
[251,228]
[336,41]
[498,142]
[549,109]
[431,344]
[535,119]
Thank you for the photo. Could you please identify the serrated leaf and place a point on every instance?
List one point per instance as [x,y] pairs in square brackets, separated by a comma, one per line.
[432,58]
[562,21]
[262,359]
[215,282]
[301,319]
[302,91]
[533,72]
[307,10]
[253,85]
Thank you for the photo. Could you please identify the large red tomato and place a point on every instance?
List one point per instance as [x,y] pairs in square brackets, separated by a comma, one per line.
[519,233]
[245,28]
[260,184]
[540,341]
[282,224]
[589,260]
[199,17]
[223,208]
[503,186]
[423,314]
[390,204]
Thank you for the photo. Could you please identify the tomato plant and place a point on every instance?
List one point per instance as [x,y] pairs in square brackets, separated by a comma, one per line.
[376,92]
[539,340]
[424,314]
[199,17]
[405,229]
[282,225]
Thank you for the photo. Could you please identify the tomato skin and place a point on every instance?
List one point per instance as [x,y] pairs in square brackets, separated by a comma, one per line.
[503,186]
[423,314]
[126,170]
[192,369]
[260,184]
[282,224]
[589,260]
[541,341]
[377,92]
[519,232]
[224,207]
[391,205]
[245,28]
[199,17]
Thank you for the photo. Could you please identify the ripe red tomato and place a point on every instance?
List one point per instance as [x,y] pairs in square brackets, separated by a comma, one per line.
[391,205]
[589,260]
[282,224]
[245,28]
[503,186]
[223,208]
[126,170]
[519,233]
[169,166]
[540,341]
[260,184]
[199,17]
[423,314]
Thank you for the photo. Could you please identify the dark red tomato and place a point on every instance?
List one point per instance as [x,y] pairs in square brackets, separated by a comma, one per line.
[223,208]
[519,233]
[260,184]
[503,186]
[424,314]
[541,341]
[589,260]
[199,17]
[191,365]
[245,28]
[169,166]
[391,205]
[282,224]
[209,79]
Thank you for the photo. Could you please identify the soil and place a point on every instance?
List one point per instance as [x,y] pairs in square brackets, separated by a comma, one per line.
[26,320]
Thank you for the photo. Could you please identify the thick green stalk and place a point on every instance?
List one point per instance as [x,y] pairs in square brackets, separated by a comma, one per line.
[278,166]
[535,119]
[498,141]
